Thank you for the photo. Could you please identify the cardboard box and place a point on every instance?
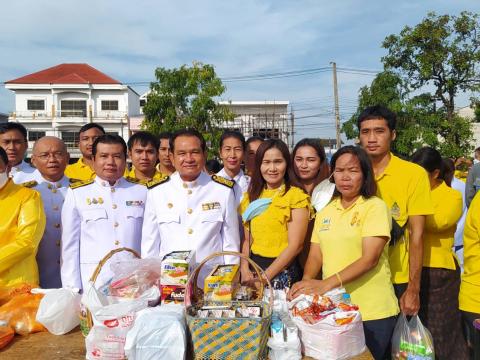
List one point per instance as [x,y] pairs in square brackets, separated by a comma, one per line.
[176,267]
[220,285]
[173,294]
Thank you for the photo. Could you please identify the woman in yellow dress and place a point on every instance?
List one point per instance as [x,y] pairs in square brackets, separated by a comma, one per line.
[276,215]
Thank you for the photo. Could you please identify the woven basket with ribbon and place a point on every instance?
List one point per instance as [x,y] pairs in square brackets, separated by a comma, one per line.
[86,321]
[228,338]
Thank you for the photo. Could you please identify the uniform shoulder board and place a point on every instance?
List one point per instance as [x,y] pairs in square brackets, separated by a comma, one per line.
[73,181]
[223,181]
[134,180]
[29,184]
[151,184]
[78,184]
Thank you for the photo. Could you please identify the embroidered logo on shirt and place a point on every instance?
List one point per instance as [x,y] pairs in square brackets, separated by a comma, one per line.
[134,203]
[395,210]
[355,219]
[211,206]
[325,224]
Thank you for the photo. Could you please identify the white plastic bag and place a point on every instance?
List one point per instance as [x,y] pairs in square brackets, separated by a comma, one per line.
[59,310]
[158,333]
[289,350]
[412,340]
[328,340]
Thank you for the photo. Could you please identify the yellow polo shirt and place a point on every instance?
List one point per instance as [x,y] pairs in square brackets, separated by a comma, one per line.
[469,297]
[131,174]
[405,188]
[79,171]
[269,230]
[438,236]
[340,233]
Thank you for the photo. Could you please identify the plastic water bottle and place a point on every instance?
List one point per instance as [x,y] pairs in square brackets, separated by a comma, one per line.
[346,299]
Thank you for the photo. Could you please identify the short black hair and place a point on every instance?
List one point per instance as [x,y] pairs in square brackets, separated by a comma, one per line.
[213,166]
[477,149]
[165,135]
[233,134]
[188,132]
[109,139]
[144,138]
[89,126]
[428,158]
[14,126]
[3,156]
[252,139]
[369,186]
[378,112]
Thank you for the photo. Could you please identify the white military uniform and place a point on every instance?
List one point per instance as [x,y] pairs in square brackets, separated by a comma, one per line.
[48,255]
[242,182]
[96,219]
[199,215]
[22,172]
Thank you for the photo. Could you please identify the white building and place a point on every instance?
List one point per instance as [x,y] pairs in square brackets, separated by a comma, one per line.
[59,100]
[468,113]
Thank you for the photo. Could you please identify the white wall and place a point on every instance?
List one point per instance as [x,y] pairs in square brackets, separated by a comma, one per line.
[133,103]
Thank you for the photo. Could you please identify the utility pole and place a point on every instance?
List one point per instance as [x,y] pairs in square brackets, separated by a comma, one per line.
[337,110]
[292,118]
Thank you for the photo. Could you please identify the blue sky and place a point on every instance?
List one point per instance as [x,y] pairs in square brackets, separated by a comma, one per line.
[129,39]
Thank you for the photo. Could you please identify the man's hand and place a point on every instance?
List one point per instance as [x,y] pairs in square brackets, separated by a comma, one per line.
[410,302]
[314,287]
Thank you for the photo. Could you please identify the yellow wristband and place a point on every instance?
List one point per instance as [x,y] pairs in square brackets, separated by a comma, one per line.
[339,279]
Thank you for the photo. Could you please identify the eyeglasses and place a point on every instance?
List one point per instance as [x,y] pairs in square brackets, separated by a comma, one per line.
[56,155]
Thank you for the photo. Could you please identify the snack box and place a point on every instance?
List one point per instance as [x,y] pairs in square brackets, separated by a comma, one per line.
[176,267]
[172,294]
[221,283]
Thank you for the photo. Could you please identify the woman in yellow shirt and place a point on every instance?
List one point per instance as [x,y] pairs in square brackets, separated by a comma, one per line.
[349,247]
[440,281]
[469,297]
[275,214]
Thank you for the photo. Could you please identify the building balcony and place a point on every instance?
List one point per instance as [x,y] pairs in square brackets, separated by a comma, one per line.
[69,117]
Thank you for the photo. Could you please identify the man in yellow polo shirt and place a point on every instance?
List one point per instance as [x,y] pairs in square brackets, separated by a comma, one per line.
[143,151]
[83,168]
[469,297]
[405,188]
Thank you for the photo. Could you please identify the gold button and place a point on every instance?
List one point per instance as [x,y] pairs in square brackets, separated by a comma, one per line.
[189,211]
[115,224]
[185,185]
[54,191]
[117,242]
[114,206]
[57,225]
[112,189]
[190,231]
[189,192]
[55,207]
[104,183]
[169,205]
[57,243]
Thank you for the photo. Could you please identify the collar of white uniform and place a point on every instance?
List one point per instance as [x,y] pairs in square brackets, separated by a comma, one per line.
[236,178]
[106,184]
[200,180]
[20,166]
[63,182]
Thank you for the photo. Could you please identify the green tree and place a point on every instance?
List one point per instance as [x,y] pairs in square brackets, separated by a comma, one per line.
[442,52]
[419,123]
[186,97]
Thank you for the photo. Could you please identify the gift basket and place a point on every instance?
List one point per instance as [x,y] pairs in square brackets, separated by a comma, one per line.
[86,321]
[227,320]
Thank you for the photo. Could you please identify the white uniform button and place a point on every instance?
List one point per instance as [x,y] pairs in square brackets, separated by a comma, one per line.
[185,185]
[117,242]
[54,190]
[189,211]
[112,189]
[57,243]
[115,224]
[114,206]
[189,192]
[56,226]
[190,231]
[55,208]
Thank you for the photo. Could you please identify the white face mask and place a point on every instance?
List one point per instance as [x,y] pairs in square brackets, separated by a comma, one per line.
[475,161]
[322,194]
[3,179]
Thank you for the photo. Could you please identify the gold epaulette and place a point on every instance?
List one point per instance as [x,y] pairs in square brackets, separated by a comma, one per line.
[135,180]
[29,184]
[223,181]
[151,184]
[78,184]
[73,181]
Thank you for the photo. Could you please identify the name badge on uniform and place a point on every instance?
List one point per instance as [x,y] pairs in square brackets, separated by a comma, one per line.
[210,206]
[325,224]
[134,203]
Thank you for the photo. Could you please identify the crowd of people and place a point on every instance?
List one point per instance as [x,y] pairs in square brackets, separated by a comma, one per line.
[390,234]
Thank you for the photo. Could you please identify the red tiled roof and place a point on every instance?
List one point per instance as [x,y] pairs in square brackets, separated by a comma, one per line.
[66,74]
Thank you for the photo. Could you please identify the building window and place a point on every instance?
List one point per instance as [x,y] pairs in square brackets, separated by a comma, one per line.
[108,105]
[35,135]
[70,138]
[143,102]
[73,108]
[35,104]
[267,133]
